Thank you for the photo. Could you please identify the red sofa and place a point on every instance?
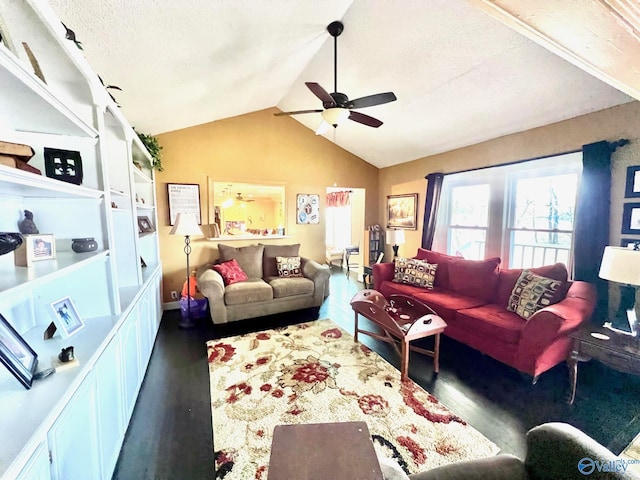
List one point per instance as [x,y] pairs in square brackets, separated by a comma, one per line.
[472,297]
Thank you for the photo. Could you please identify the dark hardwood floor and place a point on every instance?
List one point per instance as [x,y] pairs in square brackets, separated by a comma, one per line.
[170,434]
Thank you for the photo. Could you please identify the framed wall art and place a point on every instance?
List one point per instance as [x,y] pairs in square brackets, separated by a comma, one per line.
[66,317]
[402,211]
[307,208]
[16,354]
[632,188]
[65,165]
[36,247]
[631,218]
[183,198]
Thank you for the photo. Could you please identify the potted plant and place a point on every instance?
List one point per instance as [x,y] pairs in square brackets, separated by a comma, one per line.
[154,148]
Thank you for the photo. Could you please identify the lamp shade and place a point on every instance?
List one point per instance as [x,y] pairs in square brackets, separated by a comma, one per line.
[186,225]
[394,237]
[620,265]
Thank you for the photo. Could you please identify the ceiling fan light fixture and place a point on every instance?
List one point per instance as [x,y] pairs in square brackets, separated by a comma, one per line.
[334,116]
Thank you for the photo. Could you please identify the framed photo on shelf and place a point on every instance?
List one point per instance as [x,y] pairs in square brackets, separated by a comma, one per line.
[65,165]
[36,247]
[183,198]
[16,354]
[402,211]
[145,225]
[631,218]
[66,317]
[632,188]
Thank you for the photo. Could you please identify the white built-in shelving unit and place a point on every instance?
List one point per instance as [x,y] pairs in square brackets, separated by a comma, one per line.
[71,425]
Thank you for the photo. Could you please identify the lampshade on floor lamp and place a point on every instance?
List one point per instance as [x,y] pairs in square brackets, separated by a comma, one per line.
[395,238]
[187,225]
[622,265]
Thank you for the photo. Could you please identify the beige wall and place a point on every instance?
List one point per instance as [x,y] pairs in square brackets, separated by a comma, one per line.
[611,124]
[254,148]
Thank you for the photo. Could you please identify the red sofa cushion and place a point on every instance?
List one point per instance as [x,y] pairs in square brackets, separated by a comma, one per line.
[507,280]
[493,321]
[442,260]
[474,278]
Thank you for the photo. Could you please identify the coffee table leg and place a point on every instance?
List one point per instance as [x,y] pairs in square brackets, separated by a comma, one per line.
[572,363]
[355,333]
[436,354]
[404,361]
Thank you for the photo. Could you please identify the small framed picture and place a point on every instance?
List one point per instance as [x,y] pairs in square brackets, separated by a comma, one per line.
[632,188]
[631,218]
[65,165]
[16,354]
[631,243]
[402,211]
[145,225]
[36,247]
[65,317]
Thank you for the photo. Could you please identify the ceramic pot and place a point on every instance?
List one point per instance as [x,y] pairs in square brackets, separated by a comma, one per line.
[83,245]
[9,242]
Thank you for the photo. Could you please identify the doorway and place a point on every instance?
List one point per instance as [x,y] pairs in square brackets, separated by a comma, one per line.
[345,227]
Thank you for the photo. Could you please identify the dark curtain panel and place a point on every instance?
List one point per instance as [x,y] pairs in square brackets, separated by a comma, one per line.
[592,219]
[434,189]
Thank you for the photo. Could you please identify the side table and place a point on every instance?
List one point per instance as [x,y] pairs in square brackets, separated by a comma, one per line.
[347,255]
[367,276]
[617,350]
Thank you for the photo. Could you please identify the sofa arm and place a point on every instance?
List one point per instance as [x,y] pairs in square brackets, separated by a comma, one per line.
[554,450]
[560,319]
[382,272]
[211,285]
[500,467]
[320,275]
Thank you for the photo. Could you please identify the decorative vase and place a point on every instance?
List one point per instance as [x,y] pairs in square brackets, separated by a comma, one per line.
[83,245]
[9,242]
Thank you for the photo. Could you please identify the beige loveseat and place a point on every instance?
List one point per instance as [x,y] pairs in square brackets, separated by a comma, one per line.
[264,292]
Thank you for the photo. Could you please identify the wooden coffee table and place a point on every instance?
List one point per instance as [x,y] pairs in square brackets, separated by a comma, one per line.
[402,320]
[323,451]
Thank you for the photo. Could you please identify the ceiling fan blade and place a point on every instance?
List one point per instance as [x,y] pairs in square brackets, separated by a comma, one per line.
[297,112]
[321,93]
[371,100]
[323,128]
[364,119]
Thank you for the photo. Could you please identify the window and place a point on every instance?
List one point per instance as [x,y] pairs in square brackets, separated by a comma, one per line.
[524,213]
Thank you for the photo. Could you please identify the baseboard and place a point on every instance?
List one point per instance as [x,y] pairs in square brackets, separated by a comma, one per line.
[171,306]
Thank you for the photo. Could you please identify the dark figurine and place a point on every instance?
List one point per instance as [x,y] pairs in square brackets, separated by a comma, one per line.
[66,355]
[27,225]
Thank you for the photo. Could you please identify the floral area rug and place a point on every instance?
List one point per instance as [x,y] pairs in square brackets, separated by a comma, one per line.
[313,373]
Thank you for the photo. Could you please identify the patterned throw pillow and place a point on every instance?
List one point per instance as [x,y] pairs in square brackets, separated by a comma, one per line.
[533,292]
[231,272]
[288,267]
[414,272]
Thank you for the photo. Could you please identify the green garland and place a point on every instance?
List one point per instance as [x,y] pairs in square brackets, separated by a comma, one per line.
[154,148]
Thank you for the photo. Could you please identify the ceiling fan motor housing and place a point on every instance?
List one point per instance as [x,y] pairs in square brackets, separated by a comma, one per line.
[340,99]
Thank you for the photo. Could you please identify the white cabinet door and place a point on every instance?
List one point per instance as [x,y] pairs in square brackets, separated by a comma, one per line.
[130,365]
[37,467]
[110,405]
[73,437]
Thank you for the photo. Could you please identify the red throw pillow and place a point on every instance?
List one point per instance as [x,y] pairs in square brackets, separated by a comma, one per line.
[231,272]
[474,278]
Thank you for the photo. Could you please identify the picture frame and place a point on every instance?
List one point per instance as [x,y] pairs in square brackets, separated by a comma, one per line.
[145,225]
[402,211]
[66,317]
[65,165]
[631,218]
[632,187]
[625,242]
[183,198]
[16,354]
[307,209]
[35,247]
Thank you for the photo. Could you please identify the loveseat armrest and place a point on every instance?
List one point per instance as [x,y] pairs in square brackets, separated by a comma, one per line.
[211,285]
[500,467]
[320,275]
[382,272]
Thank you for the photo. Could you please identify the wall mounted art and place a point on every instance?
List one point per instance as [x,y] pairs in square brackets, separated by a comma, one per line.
[183,198]
[402,211]
[307,208]
[65,165]
[632,188]
[631,218]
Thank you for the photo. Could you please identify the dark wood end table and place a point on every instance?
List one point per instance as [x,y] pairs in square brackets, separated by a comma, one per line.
[367,276]
[617,350]
[319,451]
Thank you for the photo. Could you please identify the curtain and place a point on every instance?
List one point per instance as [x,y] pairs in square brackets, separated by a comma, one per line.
[338,215]
[434,189]
[592,218]
[339,199]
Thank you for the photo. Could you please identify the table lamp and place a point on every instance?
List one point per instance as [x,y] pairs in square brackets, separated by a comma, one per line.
[395,238]
[187,225]
[622,265]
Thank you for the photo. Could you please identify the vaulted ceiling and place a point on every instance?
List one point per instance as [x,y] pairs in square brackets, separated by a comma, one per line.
[463,71]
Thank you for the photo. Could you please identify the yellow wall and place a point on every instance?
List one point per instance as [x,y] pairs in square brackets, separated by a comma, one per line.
[611,124]
[254,148]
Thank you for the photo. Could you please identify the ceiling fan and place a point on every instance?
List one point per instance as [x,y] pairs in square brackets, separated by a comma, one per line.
[240,198]
[337,106]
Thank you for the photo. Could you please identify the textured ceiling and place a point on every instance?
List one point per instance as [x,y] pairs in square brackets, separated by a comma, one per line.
[460,76]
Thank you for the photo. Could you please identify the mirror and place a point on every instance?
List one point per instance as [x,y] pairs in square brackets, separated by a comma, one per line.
[246,210]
